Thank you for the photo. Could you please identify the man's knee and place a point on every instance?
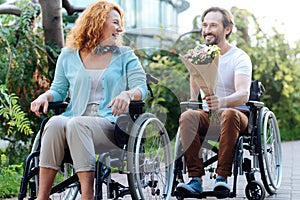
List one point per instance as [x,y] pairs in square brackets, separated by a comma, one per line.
[189,116]
[230,114]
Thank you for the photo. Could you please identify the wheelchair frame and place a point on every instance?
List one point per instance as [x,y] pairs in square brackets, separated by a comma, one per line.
[263,143]
[145,157]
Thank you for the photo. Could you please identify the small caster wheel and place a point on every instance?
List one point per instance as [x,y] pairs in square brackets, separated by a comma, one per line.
[255,191]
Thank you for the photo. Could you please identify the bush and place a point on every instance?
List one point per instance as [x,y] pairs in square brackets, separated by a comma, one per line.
[10,178]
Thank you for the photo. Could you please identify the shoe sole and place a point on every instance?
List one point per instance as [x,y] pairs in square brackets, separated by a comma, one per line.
[186,190]
[221,188]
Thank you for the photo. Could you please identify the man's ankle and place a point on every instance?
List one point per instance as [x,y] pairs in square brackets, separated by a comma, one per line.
[224,177]
[199,178]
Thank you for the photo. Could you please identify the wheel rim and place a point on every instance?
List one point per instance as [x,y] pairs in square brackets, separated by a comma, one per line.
[272,150]
[150,166]
[269,151]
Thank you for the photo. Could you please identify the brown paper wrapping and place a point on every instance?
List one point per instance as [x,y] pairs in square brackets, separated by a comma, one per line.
[205,75]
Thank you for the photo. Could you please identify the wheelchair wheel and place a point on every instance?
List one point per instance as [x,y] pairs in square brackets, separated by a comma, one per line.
[149,159]
[270,152]
[255,191]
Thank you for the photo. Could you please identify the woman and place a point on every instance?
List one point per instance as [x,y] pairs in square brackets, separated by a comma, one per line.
[101,81]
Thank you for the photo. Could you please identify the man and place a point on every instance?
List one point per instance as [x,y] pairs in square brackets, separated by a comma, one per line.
[232,92]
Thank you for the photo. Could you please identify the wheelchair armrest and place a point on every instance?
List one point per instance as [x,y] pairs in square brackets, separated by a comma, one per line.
[257,104]
[57,106]
[136,107]
[194,105]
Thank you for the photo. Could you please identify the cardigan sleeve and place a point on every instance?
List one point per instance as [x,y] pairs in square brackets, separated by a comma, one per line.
[136,76]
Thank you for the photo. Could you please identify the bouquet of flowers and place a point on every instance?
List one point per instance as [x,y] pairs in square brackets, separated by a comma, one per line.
[202,63]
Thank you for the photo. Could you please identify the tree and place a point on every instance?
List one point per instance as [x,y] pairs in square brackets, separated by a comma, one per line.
[276,65]
[51,20]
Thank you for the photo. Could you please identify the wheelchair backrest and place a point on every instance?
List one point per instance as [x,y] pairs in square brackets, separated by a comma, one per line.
[256,90]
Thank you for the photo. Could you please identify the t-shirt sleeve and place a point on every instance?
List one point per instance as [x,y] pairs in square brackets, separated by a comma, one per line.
[243,65]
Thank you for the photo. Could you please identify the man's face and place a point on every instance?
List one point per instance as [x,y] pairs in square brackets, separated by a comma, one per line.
[212,28]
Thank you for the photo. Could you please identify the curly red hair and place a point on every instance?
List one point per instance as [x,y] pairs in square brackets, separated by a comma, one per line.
[88,28]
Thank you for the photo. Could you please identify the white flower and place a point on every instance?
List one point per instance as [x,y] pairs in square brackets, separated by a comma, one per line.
[202,54]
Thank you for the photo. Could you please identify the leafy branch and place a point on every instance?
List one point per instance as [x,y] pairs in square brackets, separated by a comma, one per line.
[10,110]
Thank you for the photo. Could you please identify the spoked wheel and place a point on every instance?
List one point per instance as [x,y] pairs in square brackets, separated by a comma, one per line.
[149,159]
[270,152]
[255,191]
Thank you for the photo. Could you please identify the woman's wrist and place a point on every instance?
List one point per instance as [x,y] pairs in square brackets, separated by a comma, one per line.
[129,94]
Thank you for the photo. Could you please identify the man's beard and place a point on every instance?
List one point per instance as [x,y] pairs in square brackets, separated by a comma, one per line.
[214,42]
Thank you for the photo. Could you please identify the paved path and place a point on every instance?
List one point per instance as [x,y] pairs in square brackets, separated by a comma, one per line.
[290,186]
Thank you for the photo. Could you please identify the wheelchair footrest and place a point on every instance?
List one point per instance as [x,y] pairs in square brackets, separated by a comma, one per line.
[204,194]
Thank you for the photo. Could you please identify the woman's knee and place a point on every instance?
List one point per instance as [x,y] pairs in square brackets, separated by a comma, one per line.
[76,125]
[57,121]
[55,126]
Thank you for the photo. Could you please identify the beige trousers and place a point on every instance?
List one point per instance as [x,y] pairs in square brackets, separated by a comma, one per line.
[85,136]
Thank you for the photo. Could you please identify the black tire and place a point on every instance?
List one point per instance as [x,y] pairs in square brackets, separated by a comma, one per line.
[255,191]
[149,160]
[269,151]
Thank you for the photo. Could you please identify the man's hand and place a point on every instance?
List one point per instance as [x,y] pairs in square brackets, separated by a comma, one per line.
[212,102]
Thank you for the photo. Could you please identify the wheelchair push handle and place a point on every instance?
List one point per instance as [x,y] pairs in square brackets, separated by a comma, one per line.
[151,78]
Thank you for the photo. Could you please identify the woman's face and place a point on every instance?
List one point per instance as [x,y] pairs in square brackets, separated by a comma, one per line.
[111,28]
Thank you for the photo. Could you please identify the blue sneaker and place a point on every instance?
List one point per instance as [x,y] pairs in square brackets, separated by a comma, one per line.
[193,186]
[221,184]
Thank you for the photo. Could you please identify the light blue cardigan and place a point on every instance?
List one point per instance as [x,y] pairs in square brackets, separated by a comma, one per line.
[124,72]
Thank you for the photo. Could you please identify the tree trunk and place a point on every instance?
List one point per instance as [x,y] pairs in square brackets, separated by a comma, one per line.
[52,25]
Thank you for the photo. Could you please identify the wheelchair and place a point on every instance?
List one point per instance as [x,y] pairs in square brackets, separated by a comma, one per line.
[258,154]
[144,156]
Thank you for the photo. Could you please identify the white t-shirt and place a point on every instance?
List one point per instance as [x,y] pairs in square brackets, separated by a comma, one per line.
[233,62]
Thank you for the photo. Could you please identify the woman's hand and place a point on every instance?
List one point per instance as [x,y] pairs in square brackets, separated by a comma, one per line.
[41,101]
[120,103]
